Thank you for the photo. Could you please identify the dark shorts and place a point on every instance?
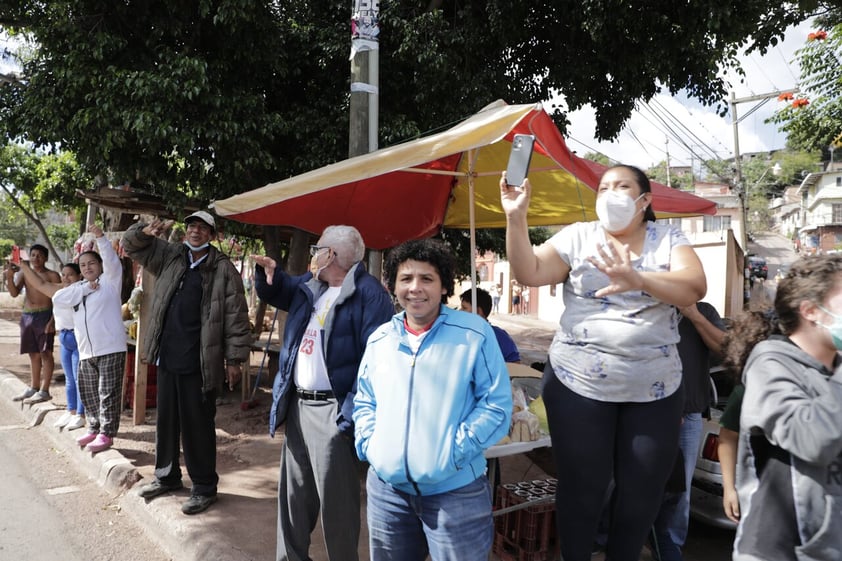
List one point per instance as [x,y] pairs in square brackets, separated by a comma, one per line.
[33,335]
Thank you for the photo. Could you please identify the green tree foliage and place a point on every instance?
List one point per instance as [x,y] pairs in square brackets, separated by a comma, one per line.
[213,97]
[813,118]
[764,179]
[64,236]
[6,246]
[683,182]
[204,99]
[487,239]
[794,166]
[14,224]
[598,158]
[34,183]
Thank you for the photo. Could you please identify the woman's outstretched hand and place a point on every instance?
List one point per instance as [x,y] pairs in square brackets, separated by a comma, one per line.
[616,264]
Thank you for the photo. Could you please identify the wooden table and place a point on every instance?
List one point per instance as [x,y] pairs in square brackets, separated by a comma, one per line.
[268,363]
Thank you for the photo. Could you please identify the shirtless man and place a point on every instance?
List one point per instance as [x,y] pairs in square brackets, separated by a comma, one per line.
[36,324]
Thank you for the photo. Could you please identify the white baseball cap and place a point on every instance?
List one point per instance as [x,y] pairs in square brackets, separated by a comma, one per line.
[203,216]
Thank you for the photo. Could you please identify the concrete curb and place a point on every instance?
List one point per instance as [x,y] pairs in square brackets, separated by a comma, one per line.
[110,469]
[182,537]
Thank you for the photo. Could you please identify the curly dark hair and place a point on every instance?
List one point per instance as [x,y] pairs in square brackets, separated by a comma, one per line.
[434,252]
[746,330]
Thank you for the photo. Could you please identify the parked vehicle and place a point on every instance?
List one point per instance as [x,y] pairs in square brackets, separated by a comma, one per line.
[706,487]
[757,267]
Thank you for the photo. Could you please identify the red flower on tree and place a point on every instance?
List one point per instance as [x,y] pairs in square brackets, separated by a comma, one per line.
[786,96]
[800,102]
[819,35]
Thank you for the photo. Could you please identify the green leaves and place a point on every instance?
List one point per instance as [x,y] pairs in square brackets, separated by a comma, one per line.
[814,126]
[217,97]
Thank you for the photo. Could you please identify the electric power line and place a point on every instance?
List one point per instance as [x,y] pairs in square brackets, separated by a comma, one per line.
[681,124]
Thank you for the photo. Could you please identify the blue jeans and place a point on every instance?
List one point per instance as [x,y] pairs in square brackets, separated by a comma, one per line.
[70,364]
[452,526]
[673,518]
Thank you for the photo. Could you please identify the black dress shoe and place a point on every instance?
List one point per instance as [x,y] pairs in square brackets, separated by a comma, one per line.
[197,503]
[157,487]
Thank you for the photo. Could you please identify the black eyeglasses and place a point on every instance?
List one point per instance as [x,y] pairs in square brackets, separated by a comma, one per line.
[316,249]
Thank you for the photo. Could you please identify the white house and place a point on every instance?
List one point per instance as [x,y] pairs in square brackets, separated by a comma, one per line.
[821,212]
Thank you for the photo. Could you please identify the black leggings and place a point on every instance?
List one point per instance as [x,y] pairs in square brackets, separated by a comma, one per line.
[635,444]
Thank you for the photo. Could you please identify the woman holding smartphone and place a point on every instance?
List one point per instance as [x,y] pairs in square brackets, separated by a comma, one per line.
[611,382]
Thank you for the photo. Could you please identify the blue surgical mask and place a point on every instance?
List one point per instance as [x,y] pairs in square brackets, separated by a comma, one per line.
[835,328]
[196,247]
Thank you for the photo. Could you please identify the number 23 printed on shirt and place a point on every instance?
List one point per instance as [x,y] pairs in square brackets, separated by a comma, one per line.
[308,343]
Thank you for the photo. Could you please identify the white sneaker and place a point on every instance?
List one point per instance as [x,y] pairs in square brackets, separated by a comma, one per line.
[63,420]
[38,397]
[76,422]
[27,393]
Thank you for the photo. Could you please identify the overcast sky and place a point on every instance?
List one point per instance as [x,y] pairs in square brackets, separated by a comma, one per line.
[643,141]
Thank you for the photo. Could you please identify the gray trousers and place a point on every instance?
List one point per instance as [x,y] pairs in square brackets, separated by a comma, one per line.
[319,476]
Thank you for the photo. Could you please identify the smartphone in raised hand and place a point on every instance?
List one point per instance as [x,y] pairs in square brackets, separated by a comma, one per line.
[519,158]
[15,255]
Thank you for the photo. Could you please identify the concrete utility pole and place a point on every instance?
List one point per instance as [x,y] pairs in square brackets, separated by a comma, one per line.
[738,167]
[365,61]
[365,93]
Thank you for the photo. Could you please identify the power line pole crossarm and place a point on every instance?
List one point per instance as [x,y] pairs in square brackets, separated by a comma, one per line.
[738,168]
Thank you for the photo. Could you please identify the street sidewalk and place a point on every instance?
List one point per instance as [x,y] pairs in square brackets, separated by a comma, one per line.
[242,525]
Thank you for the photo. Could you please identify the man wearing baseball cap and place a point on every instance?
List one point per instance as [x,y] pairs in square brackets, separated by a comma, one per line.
[201,216]
[199,336]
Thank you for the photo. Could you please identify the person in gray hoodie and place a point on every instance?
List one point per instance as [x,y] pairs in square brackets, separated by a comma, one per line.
[789,460]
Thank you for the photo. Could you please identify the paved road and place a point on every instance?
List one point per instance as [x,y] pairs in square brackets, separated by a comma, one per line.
[778,252]
[53,510]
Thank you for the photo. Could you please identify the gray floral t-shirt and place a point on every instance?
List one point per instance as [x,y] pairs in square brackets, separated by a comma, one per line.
[618,348]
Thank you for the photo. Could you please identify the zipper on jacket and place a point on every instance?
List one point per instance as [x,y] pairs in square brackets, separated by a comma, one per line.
[406,426]
[87,330]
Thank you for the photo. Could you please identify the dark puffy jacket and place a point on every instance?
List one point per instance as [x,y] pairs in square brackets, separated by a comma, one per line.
[226,333]
[362,306]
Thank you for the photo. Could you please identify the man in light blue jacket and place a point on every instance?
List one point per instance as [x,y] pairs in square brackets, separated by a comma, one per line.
[433,393]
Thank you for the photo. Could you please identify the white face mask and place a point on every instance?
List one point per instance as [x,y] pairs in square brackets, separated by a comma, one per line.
[616,210]
[314,267]
[196,247]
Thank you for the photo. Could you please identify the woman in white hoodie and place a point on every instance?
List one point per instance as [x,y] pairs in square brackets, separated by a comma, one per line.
[101,337]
